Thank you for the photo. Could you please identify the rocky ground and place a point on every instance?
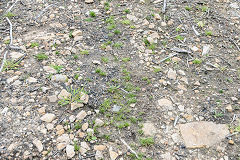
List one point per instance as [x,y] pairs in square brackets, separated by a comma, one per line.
[120,80]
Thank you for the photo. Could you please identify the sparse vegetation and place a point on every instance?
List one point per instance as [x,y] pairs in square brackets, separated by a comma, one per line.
[41,56]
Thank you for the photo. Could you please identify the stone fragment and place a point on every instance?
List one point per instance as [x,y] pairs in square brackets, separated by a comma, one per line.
[229,108]
[76,105]
[85,126]
[113,155]
[206,49]
[81,115]
[84,98]
[59,78]
[38,144]
[99,147]
[52,98]
[202,134]
[149,129]
[89,1]
[10,80]
[16,55]
[64,139]
[32,80]
[49,69]
[99,155]
[99,122]
[48,117]
[165,103]
[76,33]
[172,74]
[70,151]
[64,94]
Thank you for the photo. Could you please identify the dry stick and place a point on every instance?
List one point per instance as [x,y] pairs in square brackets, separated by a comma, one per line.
[164,59]
[195,31]
[129,147]
[5,54]
[235,44]
[164,6]
[44,10]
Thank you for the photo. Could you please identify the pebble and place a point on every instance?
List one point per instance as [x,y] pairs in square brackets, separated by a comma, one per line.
[113,155]
[49,69]
[231,142]
[149,129]
[59,78]
[165,103]
[81,115]
[38,144]
[85,126]
[229,108]
[76,105]
[99,147]
[64,94]
[172,74]
[70,151]
[52,98]
[99,122]
[48,117]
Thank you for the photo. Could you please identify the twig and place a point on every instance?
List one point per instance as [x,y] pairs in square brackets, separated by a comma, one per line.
[195,31]
[9,9]
[235,44]
[175,121]
[230,135]
[164,6]
[164,59]
[129,147]
[3,61]
[44,10]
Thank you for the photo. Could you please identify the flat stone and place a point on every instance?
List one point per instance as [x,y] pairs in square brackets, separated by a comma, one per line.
[77,33]
[10,80]
[89,1]
[64,139]
[32,80]
[84,147]
[149,129]
[113,155]
[202,134]
[84,98]
[59,78]
[52,98]
[16,55]
[49,69]
[99,122]
[76,105]
[64,94]
[70,151]
[99,155]
[172,74]
[165,103]
[206,49]
[38,144]
[48,117]
[61,146]
[85,126]
[81,115]
[99,147]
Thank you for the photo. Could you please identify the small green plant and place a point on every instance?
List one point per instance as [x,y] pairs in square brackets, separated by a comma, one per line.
[41,56]
[106,137]
[84,52]
[100,72]
[208,33]
[57,53]
[126,59]
[126,22]
[10,14]
[132,27]
[70,34]
[34,44]
[10,65]
[146,42]
[156,70]
[201,24]
[123,125]
[117,45]
[237,129]
[113,89]
[127,11]
[77,126]
[140,131]
[76,147]
[75,56]
[152,46]
[204,8]
[105,59]
[7,42]
[76,76]
[76,95]
[178,29]
[106,6]
[110,20]
[178,37]
[88,19]
[57,68]
[218,114]
[197,61]
[111,26]
[146,141]
[188,8]
[117,31]
[92,14]
[105,106]
[146,79]
[133,119]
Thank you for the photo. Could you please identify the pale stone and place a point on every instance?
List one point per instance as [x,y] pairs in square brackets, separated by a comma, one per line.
[113,155]
[70,151]
[81,115]
[64,94]
[76,33]
[172,74]
[163,24]
[16,55]
[99,147]
[89,1]
[10,80]
[38,144]
[165,103]
[84,98]
[61,146]
[99,122]
[76,105]
[202,134]
[32,80]
[49,117]
[49,69]
[59,78]
[229,108]
[85,126]
[64,139]
[99,155]
[52,98]
[149,129]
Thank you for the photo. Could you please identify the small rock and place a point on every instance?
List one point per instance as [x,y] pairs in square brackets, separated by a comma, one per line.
[116,108]
[52,98]
[234,5]
[96,62]
[149,129]
[167,104]
[90,131]
[99,155]
[99,147]
[172,74]
[194,48]
[38,144]
[32,80]
[61,146]
[70,151]
[49,117]
[49,69]
[59,78]
[76,33]
[202,133]
[60,132]
[163,24]
[99,122]
[49,126]
[84,97]
[113,155]
[64,139]
[89,1]
[81,115]
[10,80]
[206,49]
[229,108]
[84,147]
[231,142]
[41,110]
[64,94]
[76,105]
[170,22]
[72,118]
[85,126]
[16,55]
[181,108]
